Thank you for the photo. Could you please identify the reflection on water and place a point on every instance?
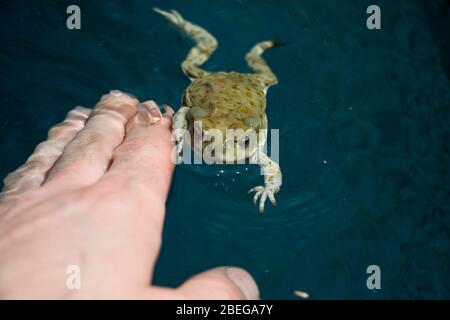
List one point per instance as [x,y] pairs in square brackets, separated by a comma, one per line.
[363,118]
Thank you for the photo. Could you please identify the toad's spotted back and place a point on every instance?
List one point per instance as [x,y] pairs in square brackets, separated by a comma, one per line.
[227,100]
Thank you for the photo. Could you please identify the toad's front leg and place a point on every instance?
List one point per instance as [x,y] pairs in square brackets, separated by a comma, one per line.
[272,180]
[179,127]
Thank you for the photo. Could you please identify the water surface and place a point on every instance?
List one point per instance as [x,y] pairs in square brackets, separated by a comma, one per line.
[363,118]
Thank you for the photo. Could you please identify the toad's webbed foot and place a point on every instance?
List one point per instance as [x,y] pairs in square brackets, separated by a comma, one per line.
[205,44]
[179,127]
[272,182]
[262,193]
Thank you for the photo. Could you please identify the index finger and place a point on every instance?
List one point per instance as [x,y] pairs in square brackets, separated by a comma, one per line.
[144,157]
[139,178]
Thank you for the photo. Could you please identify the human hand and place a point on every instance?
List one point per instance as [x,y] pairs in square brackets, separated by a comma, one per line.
[93,195]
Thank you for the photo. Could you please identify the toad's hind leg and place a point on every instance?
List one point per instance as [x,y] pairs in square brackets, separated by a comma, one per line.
[259,65]
[205,44]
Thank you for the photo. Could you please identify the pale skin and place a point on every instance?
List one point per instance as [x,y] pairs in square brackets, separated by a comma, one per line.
[227,100]
[93,195]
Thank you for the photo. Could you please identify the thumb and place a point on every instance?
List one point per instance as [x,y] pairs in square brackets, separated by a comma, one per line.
[224,283]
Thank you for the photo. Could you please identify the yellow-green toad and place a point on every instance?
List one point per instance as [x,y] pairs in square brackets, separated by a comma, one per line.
[221,101]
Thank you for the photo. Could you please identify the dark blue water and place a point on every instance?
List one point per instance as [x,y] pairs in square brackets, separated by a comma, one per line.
[364,133]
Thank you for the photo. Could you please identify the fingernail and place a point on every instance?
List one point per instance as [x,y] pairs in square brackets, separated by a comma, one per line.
[153,110]
[167,108]
[168,111]
[244,281]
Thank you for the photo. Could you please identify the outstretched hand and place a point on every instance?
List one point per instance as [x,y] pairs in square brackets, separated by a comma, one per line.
[93,196]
